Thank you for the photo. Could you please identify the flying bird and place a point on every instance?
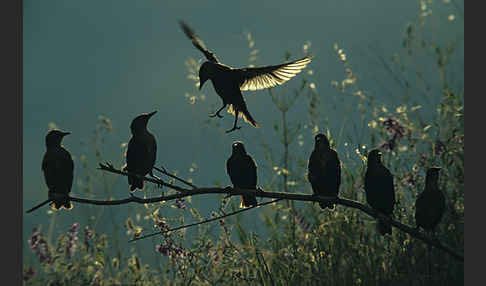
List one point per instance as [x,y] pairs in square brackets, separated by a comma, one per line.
[379,188]
[58,168]
[242,171]
[229,82]
[141,151]
[324,170]
[430,204]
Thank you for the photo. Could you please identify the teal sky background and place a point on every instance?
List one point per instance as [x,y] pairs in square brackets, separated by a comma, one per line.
[82,59]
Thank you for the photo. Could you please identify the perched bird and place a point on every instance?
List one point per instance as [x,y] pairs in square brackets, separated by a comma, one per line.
[242,171]
[430,204]
[229,82]
[141,151]
[379,188]
[58,167]
[324,170]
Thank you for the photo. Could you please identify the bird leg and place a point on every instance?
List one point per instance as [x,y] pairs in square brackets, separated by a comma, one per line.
[236,120]
[217,112]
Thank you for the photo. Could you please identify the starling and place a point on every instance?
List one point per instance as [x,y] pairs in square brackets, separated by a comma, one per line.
[141,151]
[324,170]
[229,82]
[243,172]
[58,168]
[430,204]
[379,188]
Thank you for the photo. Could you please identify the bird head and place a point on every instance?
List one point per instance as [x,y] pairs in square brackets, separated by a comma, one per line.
[238,147]
[374,156]
[432,174]
[54,138]
[139,124]
[204,73]
[321,141]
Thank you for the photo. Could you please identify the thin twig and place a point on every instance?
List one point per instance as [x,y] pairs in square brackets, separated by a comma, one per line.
[204,221]
[39,205]
[175,177]
[109,168]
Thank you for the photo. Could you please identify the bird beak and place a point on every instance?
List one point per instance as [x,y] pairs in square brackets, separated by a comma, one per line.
[152,113]
[65,133]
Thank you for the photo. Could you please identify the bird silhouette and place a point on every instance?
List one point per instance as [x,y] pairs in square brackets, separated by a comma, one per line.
[324,170]
[141,151]
[242,171]
[379,188]
[229,82]
[430,204]
[58,168]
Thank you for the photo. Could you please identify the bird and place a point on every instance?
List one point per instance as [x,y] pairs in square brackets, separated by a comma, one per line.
[141,151]
[430,204]
[379,188]
[58,168]
[242,171]
[228,82]
[324,170]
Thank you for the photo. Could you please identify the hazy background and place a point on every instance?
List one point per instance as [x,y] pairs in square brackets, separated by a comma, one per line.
[83,59]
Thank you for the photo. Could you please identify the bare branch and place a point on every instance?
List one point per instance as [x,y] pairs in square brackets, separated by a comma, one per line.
[163,171]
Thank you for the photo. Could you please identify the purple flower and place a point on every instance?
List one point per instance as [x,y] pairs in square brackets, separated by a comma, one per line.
[162,225]
[39,246]
[88,234]
[74,228]
[422,160]
[163,249]
[388,144]
[214,255]
[170,249]
[179,203]
[409,179]
[439,147]
[393,126]
[72,238]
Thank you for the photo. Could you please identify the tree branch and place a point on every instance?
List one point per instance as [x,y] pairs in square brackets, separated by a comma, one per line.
[39,205]
[260,193]
[287,196]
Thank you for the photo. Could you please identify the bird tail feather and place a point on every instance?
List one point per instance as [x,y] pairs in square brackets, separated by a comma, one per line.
[60,204]
[243,112]
[383,227]
[135,183]
[248,201]
[325,205]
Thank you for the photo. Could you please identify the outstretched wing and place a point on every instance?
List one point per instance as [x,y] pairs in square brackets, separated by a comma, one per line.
[198,43]
[264,77]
